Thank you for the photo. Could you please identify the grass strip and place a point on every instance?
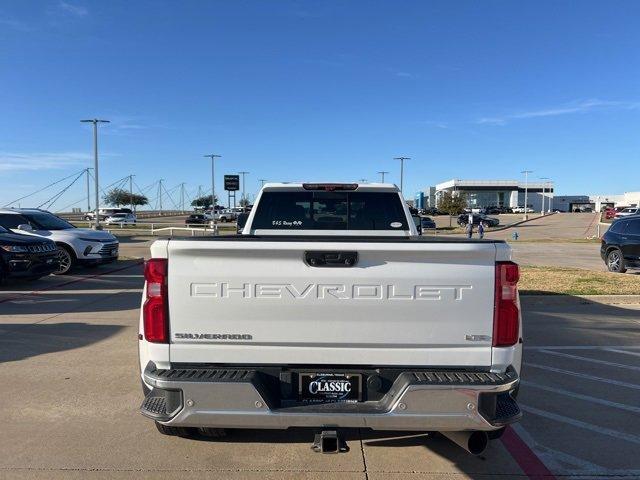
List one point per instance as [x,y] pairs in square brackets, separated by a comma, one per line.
[539,280]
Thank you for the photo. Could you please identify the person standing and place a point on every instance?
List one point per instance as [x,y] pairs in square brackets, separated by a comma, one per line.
[469,229]
[481,230]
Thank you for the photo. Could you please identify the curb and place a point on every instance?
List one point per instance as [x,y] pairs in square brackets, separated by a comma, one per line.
[511,225]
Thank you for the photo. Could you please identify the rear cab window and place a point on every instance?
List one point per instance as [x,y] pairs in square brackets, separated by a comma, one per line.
[322,210]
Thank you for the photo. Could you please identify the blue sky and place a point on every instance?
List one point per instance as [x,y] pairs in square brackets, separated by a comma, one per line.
[314,90]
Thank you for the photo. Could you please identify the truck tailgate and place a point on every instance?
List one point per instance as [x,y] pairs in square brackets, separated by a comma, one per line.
[260,302]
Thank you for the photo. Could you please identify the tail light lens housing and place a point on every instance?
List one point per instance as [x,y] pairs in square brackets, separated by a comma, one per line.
[506,314]
[155,311]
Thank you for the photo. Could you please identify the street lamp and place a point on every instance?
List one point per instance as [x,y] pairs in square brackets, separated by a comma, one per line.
[363,180]
[95,122]
[213,156]
[543,185]
[402,159]
[243,174]
[382,173]
[262,180]
[526,186]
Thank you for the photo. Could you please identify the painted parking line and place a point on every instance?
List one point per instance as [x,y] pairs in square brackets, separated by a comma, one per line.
[583,375]
[525,457]
[617,350]
[557,461]
[70,282]
[579,396]
[580,424]
[582,347]
[591,360]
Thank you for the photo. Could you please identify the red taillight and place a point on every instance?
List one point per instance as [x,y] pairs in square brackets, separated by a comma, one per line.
[506,316]
[155,311]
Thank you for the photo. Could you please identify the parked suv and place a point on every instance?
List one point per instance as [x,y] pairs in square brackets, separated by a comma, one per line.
[477,218]
[620,248]
[23,256]
[76,246]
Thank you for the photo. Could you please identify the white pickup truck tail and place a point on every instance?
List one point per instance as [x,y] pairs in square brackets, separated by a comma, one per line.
[326,313]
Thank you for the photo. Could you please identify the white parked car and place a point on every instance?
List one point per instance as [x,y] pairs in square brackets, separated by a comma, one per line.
[522,210]
[105,213]
[627,211]
[76,246]
[121,219]
[330,311]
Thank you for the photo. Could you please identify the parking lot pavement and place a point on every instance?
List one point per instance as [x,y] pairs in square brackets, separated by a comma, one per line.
[557,254]
[71,391]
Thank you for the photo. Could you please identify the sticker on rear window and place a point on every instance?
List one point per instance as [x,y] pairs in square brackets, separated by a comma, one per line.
[396,224]
[286,223]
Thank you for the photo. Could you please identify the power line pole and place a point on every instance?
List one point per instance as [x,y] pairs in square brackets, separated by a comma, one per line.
[243,197]
[363,180]
[160,195]
[88,191]
[213,190]
[131,191]
[402,159]
[182,196]
[526,187]
[383,174]
[95,122]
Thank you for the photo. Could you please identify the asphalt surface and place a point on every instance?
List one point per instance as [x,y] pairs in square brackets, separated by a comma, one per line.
[71,392]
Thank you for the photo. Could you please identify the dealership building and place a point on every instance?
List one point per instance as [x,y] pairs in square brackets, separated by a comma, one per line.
[499,193]
[511,193]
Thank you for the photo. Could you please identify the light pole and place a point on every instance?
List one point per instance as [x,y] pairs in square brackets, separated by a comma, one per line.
[242,200]
[382,173]
[363,180]
[213,190]
[526,186]
[402,159]
[543,185]
[262,180]
[95,122]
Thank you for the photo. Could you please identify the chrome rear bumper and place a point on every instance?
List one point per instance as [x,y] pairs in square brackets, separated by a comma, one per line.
[420,400]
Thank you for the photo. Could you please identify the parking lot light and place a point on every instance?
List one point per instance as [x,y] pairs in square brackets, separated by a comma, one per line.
[95,122]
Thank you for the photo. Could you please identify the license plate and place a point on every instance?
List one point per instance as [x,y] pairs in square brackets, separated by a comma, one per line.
[330,387]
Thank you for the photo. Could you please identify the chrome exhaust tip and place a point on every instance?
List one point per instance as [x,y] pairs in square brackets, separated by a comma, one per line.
[474,442]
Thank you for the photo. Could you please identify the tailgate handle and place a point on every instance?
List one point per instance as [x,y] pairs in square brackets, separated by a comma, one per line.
[331,259]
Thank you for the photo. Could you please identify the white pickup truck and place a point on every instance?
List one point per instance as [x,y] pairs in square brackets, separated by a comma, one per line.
[329,311]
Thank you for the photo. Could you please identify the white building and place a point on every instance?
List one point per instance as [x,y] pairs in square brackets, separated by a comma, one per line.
[500,193]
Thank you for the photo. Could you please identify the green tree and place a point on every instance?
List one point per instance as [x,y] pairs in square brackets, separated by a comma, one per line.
[452,204]
[204,201]
[119,196]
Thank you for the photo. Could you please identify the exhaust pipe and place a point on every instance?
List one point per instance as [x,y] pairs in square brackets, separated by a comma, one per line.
[473,442]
